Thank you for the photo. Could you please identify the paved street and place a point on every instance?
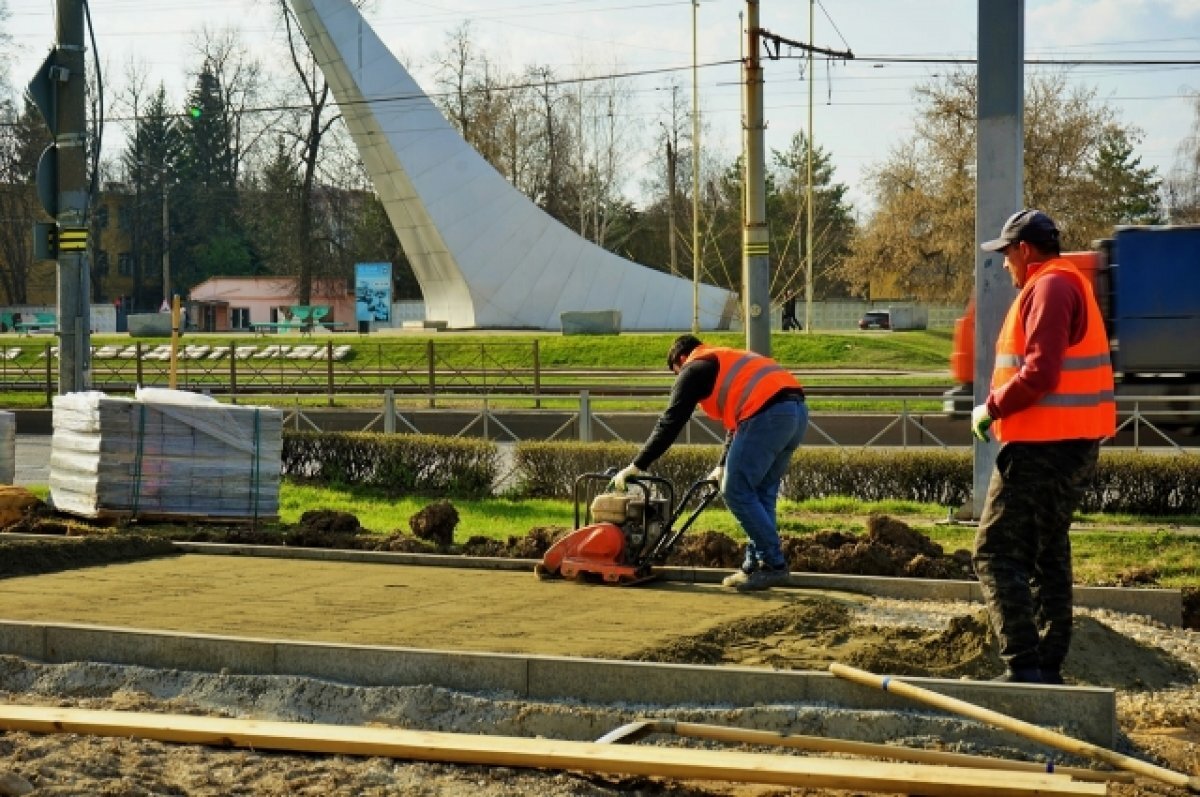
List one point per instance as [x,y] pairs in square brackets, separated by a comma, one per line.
[33,459]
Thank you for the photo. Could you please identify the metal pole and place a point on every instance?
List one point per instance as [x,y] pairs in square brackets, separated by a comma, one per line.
[74,320]
[166,243]
[755,235]
[808,245]
[998,192]
[695,177]
[173,382]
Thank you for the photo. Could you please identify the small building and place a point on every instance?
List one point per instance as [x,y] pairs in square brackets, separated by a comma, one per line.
[222,304]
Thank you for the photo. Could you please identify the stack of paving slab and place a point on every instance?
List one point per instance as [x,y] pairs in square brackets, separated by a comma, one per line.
[8,447]
[165,454]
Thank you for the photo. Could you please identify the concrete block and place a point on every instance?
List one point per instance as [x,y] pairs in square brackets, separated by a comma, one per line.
[1091,711]
[165,649]
[149,325]
[367,665]
[25,639]
[590,322]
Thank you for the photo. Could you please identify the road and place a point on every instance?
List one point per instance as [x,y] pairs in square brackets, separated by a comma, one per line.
[33,459]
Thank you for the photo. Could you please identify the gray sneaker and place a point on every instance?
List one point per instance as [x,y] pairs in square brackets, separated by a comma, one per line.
[739,576]
[765,578]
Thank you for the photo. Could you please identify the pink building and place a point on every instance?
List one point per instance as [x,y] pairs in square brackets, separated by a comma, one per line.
[221,304]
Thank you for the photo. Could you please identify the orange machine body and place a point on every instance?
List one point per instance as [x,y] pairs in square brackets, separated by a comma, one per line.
[597,552]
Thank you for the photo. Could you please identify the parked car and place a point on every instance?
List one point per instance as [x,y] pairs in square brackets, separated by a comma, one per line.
[875,319]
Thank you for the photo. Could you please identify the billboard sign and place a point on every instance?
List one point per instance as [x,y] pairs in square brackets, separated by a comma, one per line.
[373,292]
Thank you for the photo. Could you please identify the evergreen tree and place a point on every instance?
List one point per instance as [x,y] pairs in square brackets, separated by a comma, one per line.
[206,233]
[1128,192]
[151,165]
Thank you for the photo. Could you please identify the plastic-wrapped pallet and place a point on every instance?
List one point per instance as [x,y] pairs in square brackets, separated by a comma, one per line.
[164,454]
[8,447]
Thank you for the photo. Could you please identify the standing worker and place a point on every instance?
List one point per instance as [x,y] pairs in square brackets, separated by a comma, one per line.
[761,406]
[1050,405]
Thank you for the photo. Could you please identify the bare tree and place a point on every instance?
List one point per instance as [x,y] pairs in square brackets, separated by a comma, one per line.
[1183,186]
[23,136]
[920,239]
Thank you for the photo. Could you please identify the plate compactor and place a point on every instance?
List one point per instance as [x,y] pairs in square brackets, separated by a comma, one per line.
[623,535]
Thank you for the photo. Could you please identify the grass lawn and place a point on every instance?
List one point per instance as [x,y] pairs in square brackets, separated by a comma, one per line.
[1103,546]
[927,349]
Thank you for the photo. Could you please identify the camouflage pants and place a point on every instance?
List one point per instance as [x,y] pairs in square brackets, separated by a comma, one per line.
[1022,550]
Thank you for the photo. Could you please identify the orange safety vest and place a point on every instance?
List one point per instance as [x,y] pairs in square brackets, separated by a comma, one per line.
[1081,406]
[745,382]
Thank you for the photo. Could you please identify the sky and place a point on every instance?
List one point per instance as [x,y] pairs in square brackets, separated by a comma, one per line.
[862,109]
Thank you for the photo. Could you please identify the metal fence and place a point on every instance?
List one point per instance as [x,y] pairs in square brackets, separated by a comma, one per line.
[1144,423]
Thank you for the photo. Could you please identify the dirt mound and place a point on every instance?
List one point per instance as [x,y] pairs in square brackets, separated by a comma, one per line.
[31,557]
[436,523]
[889,548]
[706,549]
[323,528]
[811,633]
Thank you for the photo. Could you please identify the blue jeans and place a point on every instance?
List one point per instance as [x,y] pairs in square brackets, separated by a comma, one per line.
[758,459]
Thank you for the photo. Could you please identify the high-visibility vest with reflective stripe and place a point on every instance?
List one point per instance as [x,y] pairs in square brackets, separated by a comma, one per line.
[745,382]
[1082,405]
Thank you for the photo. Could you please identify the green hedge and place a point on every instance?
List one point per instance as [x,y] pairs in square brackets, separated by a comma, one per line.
[548,470]
[396,463]
[1126,482]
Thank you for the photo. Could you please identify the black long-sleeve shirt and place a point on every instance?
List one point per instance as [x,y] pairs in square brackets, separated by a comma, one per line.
[695,382]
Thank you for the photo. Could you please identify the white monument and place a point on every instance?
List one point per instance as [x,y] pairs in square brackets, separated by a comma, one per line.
[484,254]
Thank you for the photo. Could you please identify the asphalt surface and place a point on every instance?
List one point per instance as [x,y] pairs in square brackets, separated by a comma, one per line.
[33,459]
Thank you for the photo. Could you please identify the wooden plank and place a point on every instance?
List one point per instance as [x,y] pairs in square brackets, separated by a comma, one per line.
[666,762]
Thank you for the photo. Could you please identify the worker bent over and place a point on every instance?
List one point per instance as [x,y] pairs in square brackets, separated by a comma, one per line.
[761,406]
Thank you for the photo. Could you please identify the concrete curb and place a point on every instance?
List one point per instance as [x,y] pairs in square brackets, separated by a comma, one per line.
[1092,711]
[1163,605]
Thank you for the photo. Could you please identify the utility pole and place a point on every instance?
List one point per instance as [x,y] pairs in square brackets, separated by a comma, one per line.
[756,237]
[998,191]
[672,158]
[812,211]
[695,177]
[166,243]
[58,92]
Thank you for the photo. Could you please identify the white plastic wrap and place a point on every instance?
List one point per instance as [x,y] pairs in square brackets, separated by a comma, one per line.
[164,453]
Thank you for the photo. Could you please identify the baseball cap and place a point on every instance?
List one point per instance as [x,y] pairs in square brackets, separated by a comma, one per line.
[1032,226]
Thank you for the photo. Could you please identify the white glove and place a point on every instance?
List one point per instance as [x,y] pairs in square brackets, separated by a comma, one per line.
[980,421]
[618,481]
[717,475]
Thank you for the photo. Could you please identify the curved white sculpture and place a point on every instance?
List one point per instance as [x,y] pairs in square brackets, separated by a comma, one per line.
[484,254]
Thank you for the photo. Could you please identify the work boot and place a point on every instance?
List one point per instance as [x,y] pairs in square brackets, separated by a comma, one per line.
[1021,675]
[1052,677]
[765,578]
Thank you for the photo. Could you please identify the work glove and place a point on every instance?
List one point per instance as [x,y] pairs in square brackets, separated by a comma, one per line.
[980,421]
[717,475]
[618,481]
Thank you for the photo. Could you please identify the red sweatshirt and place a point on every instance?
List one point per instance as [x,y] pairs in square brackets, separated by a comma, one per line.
[1055,315]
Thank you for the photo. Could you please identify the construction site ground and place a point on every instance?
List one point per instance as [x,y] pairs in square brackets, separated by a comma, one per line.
[118,580]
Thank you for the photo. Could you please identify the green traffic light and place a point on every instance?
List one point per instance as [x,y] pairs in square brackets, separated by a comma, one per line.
[194,112]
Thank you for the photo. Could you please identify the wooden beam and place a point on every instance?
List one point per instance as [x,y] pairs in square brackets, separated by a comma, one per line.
[664,762]
[643,728]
